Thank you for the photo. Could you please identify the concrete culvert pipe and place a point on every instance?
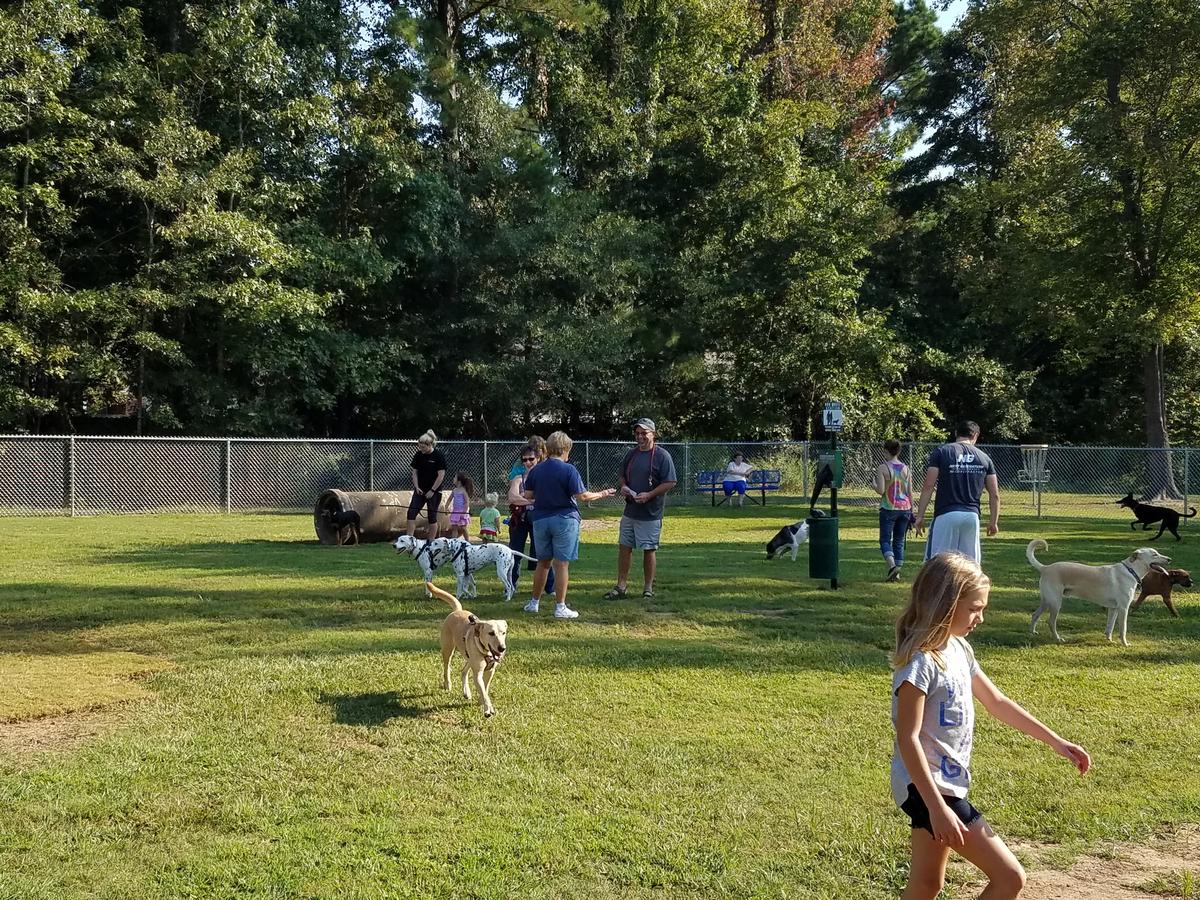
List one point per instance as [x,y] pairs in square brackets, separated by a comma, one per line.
[382,515]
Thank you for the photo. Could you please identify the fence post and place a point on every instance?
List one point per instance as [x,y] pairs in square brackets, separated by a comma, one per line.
[1187,459]
[804,464]
[485,469]
[69,476]
[370,465]
[587,463]
[687,472]
[226,477]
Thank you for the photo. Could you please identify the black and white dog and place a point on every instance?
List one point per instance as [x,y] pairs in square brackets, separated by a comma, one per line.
[429,555]
[790,537]
[465,557]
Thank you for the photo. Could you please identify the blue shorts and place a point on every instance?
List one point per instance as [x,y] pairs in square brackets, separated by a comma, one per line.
[732,486]
[557,537]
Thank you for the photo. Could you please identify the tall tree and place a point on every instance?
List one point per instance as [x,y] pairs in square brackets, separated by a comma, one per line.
[46,150]
[1098,106]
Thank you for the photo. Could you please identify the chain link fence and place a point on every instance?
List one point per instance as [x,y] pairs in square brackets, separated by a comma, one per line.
[73,475]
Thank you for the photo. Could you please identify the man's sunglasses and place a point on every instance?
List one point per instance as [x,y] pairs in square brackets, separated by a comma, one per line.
[528,459]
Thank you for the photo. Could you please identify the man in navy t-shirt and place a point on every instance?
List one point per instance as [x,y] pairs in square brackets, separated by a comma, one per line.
[960,472]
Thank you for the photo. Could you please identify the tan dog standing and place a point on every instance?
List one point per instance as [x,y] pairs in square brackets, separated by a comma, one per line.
[1158,583]
[482,642]
[1112,586]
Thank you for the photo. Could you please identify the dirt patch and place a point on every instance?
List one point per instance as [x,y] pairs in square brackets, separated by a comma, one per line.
[769,613]
[598,524]
[61,733]
[1156,869]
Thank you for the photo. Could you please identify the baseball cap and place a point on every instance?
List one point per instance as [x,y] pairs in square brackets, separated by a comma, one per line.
[648,424]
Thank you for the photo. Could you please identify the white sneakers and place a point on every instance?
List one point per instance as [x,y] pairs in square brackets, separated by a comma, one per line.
[561,610]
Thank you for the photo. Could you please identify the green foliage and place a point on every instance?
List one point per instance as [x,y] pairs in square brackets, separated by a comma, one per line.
[334,219]
[1098,109]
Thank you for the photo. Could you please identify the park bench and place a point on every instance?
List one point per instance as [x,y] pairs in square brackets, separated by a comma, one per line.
[712,482]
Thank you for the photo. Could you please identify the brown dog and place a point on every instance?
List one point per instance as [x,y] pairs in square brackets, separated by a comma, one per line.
[1158,582]
[482,642]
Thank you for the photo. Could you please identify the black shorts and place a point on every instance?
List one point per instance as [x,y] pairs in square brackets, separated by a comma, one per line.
[919,812]
[419,500]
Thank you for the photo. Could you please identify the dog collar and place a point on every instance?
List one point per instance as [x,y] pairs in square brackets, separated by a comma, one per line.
[487,651]
[1129,569]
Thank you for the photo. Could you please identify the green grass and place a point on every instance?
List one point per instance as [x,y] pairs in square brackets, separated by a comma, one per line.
[38,683]
[730,738]
[1182,884]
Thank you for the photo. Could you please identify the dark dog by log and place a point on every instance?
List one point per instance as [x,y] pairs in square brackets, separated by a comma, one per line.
[346,522]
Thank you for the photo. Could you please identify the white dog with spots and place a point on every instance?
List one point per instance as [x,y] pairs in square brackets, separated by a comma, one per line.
[465,557]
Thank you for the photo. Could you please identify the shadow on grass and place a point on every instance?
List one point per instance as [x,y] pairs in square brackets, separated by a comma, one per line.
[719,603]
[374,709]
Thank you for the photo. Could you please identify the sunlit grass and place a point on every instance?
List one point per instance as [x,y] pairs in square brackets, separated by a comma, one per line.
[729,738]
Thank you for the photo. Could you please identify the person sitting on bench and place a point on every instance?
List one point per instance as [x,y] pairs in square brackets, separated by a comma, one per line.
[735,479]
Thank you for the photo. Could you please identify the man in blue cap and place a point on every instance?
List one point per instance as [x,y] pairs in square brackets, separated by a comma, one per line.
[647,473]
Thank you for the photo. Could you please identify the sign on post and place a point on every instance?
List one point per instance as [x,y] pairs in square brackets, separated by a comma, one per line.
[832,417]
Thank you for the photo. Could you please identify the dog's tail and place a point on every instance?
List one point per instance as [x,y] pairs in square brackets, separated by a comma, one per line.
[443,595]
[532,559]
[1188,515]
[1034,545]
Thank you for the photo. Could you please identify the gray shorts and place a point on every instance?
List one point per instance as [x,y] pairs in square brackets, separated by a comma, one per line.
[640,534]
[958,530]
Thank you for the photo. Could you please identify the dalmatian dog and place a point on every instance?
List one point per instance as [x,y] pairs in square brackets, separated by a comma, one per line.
[431,556]
[466,558]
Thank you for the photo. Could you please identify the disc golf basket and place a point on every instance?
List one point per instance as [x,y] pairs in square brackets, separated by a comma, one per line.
[1035,474]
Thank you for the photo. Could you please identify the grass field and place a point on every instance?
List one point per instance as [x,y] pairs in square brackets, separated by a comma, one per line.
[273,723]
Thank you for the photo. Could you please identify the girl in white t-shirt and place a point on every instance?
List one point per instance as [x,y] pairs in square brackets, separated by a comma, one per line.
[933,710]
[735,479]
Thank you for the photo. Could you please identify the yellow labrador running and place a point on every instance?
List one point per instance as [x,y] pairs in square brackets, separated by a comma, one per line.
[482,642]
[1112,586]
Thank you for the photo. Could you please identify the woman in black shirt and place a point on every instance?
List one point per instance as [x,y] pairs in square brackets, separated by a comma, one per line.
[428,472]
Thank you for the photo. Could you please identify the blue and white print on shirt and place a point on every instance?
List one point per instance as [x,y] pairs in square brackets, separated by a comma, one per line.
[948,727]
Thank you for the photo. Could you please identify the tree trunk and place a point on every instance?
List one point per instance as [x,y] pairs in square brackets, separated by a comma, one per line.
[1160,472]
[769,44]
[345,415]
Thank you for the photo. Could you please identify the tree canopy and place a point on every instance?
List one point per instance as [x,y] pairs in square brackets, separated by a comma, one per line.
[363,217]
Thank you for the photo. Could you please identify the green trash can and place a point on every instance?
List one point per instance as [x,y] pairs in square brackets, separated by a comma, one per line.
[823,547]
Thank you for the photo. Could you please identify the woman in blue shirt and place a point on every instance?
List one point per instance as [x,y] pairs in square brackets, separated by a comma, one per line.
[555,487]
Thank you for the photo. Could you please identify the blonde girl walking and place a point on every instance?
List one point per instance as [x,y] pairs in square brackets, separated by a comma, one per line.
[935,684]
